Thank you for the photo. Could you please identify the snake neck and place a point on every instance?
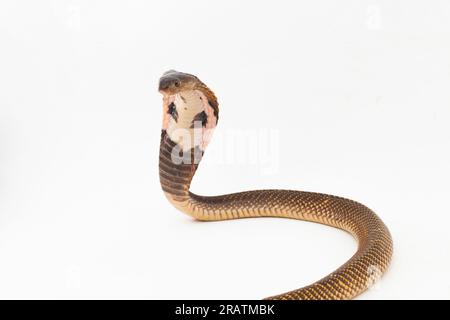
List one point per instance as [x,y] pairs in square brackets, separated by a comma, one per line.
[176,169]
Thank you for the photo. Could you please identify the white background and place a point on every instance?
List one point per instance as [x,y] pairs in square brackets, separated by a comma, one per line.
[356,91]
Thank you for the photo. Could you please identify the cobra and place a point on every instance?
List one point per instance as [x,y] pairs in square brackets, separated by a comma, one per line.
[190,114]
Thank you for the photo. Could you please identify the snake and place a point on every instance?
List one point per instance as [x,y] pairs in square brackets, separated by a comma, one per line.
[190,115]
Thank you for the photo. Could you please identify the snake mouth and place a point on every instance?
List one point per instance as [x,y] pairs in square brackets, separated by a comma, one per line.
[164,93]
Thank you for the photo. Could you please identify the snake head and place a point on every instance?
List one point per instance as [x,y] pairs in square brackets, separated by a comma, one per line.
[173,82]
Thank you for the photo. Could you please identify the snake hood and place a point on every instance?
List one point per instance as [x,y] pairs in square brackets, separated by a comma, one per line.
[190,109]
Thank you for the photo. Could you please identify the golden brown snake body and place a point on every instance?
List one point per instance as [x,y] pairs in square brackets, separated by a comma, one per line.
[191,112]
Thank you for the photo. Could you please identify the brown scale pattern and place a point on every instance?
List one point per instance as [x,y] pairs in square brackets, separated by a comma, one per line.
[367,264]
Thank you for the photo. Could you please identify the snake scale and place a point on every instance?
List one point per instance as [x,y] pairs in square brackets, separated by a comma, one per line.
[190,114]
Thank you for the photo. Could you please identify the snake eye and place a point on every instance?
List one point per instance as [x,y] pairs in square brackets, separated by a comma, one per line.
[177,83]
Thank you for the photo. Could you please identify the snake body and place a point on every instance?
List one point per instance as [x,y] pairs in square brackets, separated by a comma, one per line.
[191,112]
